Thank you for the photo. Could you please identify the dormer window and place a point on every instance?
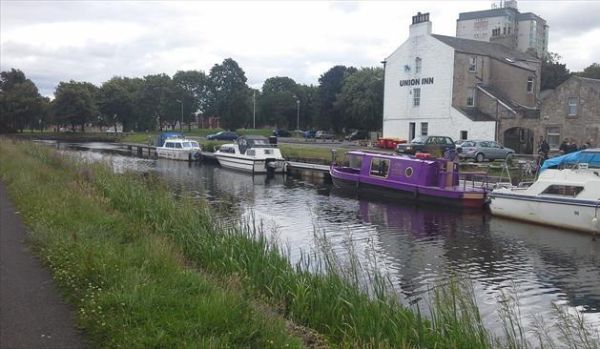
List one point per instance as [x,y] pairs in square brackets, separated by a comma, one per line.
[418,65]
[473,63]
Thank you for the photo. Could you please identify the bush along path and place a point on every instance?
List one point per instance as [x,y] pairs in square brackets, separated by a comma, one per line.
[147,269]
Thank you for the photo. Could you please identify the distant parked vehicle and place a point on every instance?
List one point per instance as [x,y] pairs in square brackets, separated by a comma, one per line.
[427,144]
[223,136]
[309,134]
[356,135]
[484,150]
[324,135]
[282,133]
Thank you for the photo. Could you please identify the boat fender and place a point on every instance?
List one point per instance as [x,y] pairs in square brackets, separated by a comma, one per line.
[416,193]
[190,157]
[595,222]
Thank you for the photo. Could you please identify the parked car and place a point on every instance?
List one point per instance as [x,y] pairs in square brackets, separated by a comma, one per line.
[324,135]
[282,133]
[309,134]
[484,150]
[356,135]
[427,144]
[223,136]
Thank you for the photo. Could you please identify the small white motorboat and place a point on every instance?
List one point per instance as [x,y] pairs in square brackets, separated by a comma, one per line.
[566,194]
[251,154]
[175,146]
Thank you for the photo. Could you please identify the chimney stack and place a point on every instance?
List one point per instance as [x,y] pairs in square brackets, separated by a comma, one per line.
[420,25]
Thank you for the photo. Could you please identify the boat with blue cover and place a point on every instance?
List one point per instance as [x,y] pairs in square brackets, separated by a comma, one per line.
[566,194]
[173,145]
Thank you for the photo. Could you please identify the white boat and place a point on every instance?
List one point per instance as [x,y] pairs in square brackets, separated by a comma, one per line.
[566,198]
[178,148]
[251,154]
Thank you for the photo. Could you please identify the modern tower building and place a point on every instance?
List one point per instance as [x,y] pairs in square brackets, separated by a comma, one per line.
[503,23]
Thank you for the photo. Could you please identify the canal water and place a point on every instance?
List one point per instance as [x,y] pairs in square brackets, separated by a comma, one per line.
[418,247]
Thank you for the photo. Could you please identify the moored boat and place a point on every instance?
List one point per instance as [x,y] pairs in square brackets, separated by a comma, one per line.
[405,177]
[566,194]
[173,145]
[251,154]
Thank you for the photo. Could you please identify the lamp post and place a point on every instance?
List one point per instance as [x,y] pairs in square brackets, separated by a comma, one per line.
[297,114]
[181,124]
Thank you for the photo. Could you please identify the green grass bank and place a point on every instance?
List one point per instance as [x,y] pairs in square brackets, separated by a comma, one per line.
[146,269]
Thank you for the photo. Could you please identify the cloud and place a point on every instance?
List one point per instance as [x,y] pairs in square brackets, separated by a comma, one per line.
[56,41]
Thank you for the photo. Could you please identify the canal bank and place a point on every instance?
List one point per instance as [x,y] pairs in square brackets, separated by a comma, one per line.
[418,244]
[33,314]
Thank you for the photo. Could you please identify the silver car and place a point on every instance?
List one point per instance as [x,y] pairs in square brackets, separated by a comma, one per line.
[484,150]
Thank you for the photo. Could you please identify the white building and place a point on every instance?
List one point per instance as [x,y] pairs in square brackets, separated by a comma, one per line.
[505,24]
[440,85]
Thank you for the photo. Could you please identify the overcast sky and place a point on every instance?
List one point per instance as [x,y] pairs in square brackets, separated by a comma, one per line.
[53,41]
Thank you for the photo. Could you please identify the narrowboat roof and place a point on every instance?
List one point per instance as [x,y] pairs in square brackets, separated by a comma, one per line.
[388,156]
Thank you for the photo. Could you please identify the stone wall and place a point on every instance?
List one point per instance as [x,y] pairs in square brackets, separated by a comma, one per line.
[585,125]
[512,81]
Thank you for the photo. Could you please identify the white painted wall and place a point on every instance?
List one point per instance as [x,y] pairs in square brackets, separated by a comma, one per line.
[436,99]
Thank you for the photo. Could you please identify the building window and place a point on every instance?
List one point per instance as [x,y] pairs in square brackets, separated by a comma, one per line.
[572,106]
[553,137]
[530,84]
[472,63]
[463,135]
[471,97]
[416,97]
[424,128]
[418,63]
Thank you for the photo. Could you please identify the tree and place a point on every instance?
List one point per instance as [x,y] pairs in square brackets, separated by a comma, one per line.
[21,105]
[192,88]
[330,84]
[116,102]
[156,100]
[75,103]
[361,99]
[553,72]
[592,71]
[278,102]
[229,96]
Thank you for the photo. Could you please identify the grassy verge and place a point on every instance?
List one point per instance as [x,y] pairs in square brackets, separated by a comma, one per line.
[146,269]
[142,137]
[132,288]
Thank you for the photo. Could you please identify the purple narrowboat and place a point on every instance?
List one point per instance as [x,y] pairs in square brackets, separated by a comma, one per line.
[403,177]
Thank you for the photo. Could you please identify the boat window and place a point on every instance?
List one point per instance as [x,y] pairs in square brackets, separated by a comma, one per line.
[268,151]
[177,145]
[355,162]
[169,145]
[380,167]
[563,190]
[187,144]
[251,152]
[195,145]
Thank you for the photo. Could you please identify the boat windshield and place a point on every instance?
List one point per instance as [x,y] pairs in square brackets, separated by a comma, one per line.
[260,142]
[187,144]
[419,140]
[195,144]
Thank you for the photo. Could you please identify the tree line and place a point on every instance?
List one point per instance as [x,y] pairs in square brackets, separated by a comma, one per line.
[345,97]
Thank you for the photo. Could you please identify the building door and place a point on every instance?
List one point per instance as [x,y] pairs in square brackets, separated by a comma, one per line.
[411,130]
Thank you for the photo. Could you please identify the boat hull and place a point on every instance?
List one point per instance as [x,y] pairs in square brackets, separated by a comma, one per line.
[394,191]
[251,165]
[184,155]
[559,212]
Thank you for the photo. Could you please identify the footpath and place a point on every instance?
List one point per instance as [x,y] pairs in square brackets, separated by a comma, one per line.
[32,312]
